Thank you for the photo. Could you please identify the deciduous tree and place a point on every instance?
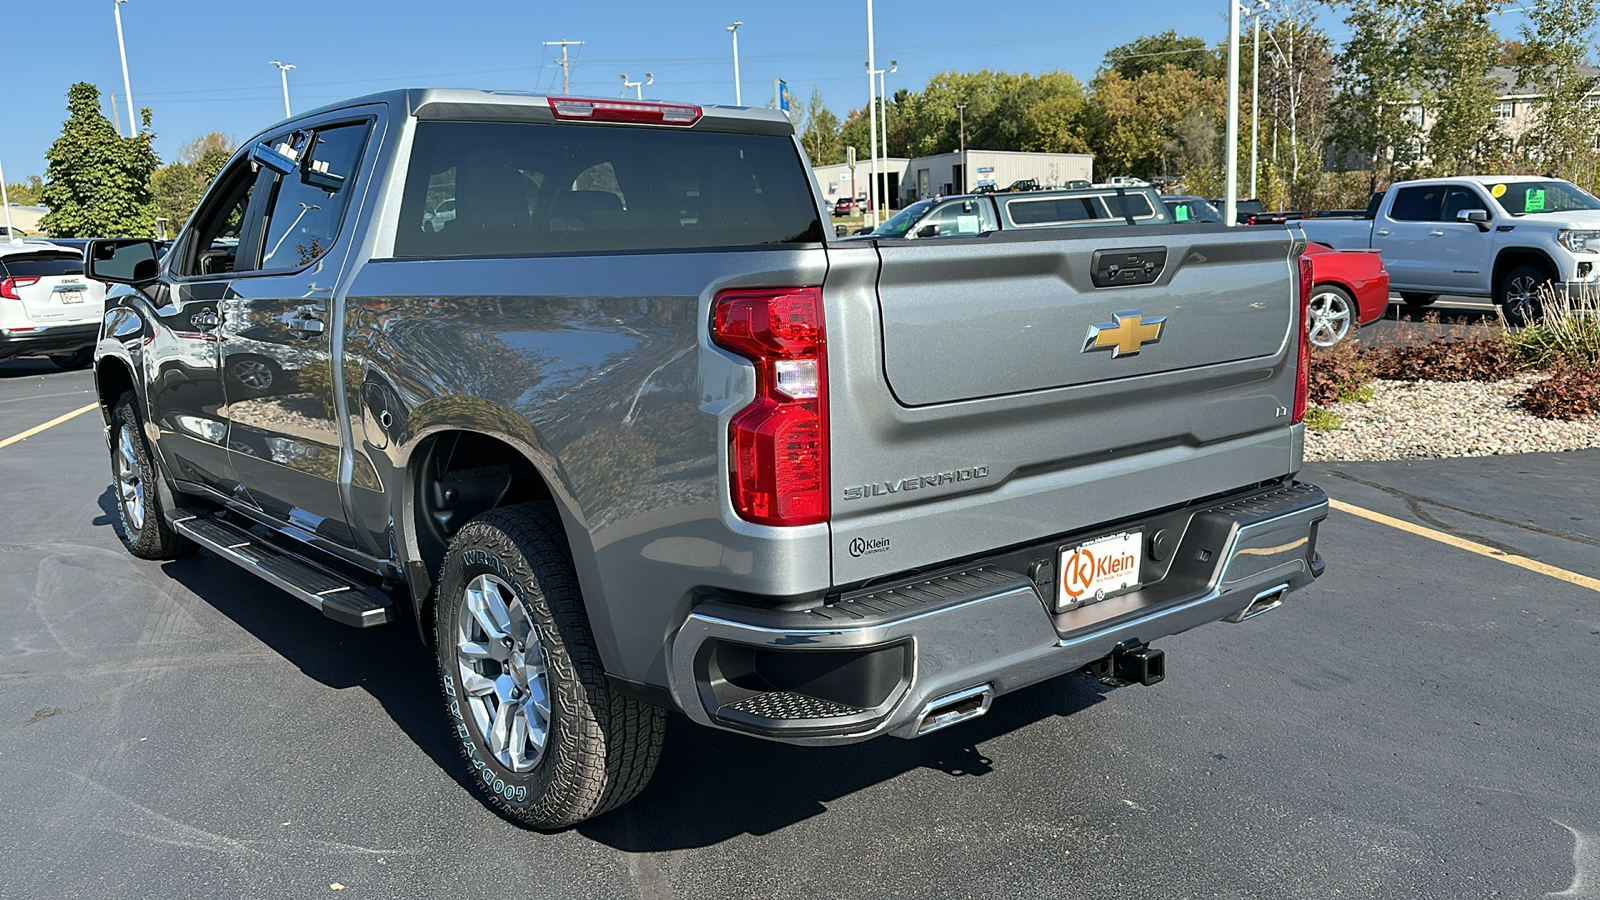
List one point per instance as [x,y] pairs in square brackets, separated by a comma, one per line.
[97,183]
[1556,37]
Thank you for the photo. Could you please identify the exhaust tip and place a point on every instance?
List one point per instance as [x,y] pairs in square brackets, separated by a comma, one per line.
[952,709]
[1266,601]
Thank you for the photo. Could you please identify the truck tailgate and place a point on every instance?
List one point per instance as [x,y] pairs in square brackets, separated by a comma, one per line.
[986,392]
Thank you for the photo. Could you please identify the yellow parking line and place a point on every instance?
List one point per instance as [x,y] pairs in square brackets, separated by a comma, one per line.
[50,424]
[1592,584]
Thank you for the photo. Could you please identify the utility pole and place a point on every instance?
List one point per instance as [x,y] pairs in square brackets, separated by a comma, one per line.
[1230,204]
[1255,101]
[5,201]
[883,118]
[284,71]
[566,64]
[738,98]
[872,115]
[961,110]
[133,122]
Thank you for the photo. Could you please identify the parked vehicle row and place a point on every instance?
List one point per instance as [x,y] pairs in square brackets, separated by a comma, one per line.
[974,214]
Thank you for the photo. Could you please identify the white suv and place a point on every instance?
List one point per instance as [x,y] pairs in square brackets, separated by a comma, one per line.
[47,307]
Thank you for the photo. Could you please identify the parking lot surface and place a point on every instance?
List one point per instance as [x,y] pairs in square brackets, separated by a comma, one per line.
[1419,723]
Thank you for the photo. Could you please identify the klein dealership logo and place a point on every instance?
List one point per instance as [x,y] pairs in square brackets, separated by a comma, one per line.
[1085,566]
[860,547]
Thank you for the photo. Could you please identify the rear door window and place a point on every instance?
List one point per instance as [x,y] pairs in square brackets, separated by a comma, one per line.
[532,188]
[308,205]
[1418,204]
[42,265]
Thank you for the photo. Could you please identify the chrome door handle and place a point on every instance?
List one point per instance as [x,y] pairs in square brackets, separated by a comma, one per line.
[207,319]
[1383,232]
[1435,234]
[309,325]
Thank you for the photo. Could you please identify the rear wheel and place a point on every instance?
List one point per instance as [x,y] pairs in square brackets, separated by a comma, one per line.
[133,480]
[77,359]
[550,742]
[1417,300]
[1331,312]
[1520,294]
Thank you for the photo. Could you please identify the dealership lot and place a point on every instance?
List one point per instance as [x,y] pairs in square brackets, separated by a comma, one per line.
[1418,723]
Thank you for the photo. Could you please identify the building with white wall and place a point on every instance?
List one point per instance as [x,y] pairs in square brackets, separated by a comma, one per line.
[927,176]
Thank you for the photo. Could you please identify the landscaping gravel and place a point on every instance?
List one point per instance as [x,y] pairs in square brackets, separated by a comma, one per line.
[1437,419]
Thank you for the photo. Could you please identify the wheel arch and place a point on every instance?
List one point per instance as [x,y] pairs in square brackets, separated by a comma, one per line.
[1511,257]
[113,377]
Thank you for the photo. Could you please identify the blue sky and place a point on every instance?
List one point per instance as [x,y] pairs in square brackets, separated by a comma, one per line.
[202,66]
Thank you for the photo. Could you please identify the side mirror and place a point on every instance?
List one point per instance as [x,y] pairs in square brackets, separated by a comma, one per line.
[928,231]
[122,261]
[1478,217]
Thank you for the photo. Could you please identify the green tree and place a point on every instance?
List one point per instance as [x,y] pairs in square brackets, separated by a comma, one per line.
[178,186]
[1556,36]
[1155,52]
[25,194]
[820,136]
[97,183]
[1454,46]
[1376,115]
[1134,123]
[1296,90]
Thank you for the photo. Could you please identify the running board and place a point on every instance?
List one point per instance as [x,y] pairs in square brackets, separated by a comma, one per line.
[339,598]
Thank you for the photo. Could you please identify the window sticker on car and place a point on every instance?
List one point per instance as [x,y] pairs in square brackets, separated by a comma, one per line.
[966,224]
[1180,213]
[1534,201]
[1498,191]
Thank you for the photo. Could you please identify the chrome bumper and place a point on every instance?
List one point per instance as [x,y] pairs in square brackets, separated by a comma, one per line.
[886,660]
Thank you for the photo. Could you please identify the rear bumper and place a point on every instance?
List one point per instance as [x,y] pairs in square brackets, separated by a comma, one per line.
[48,340]
[888,659]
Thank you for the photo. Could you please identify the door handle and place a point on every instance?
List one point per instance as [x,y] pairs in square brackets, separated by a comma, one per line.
[1383,232]
[1435,234]
[308,325]
[205,320]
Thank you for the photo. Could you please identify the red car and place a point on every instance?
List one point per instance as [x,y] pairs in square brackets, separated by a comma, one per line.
[1348,286]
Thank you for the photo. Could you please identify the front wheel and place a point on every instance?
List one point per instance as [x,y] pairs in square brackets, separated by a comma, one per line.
[1331,311]
[550,742]
[133,480]
[1520,294]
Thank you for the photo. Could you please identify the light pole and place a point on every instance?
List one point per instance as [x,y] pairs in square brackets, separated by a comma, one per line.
[738,98]
[872,114]
[961,109]
[283,70]
[638,86]
[1255,15]
[883,119]
[1230,203]
[116,9]
[5,201]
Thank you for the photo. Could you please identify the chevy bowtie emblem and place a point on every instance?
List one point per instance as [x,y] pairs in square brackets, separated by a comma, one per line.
[1125,336]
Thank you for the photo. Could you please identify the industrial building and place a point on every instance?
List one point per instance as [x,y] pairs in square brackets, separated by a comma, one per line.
[839,180]
[943,173]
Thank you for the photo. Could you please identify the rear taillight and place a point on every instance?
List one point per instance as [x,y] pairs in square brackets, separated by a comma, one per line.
[8,286]
[1303,370]
[636,112]
[778,445]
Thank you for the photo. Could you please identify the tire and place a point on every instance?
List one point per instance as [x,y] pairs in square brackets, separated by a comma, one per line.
[134,475]
[1332,312]
[1518,294]
[1417,300]
[508,572]
[77,359]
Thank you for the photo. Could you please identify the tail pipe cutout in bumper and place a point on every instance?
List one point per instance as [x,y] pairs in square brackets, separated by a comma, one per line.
[916,656]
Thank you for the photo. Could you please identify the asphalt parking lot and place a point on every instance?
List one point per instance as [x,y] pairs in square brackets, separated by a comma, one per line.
[1419,723]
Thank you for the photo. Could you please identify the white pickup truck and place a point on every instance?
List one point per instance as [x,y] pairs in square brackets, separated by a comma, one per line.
[1503,237]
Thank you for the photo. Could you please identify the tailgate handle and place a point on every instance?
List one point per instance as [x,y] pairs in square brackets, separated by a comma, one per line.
[1135,265]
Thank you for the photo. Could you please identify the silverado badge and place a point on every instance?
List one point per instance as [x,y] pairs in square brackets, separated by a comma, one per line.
[1125,336]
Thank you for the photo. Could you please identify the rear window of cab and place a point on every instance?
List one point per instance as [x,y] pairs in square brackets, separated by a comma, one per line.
[47,264]
[502,188]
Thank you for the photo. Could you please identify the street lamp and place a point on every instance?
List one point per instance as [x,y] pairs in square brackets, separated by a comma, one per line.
[5,203]
[883,100]
[1255,14]
[872,114]
[116,9]
[283,70]
[738,99]
[961,109]
[638,86]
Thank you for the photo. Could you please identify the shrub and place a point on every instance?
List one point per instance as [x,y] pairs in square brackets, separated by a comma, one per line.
[1319,419]
[1569,393]
[1336,372]
[1569,331]
[1446,359]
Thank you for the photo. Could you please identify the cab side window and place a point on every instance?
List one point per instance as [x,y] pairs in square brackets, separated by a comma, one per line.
[1457,199]
[957,218]
[309,204]
[1418,204]
[212,247]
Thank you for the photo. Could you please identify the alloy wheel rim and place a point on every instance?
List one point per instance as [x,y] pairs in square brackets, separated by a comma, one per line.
[501,663]
[1330,319]
[253,374]
[130,483]
[1520,296]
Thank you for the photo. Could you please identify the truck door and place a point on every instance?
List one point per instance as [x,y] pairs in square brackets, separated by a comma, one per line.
[285,437]
[1402,233]
[184,398]
[1460,251]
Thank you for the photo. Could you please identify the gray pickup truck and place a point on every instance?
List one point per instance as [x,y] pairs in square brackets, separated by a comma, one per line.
[629,433]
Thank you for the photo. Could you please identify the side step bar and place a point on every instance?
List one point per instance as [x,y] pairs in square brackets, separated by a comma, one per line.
[339,598]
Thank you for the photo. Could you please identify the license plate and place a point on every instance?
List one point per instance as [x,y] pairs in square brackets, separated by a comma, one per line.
[1101,568]
[70,296]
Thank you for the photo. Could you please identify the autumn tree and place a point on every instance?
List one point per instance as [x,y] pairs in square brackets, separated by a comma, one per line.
[1155,52]
[1296,90]
[820,134]
[97,183]
[179,185]
[1134,124]
[1454,43]
[25,193]
[1556,37]
[1376,114]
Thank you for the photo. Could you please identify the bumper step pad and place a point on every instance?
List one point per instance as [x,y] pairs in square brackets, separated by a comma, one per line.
[338,597]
